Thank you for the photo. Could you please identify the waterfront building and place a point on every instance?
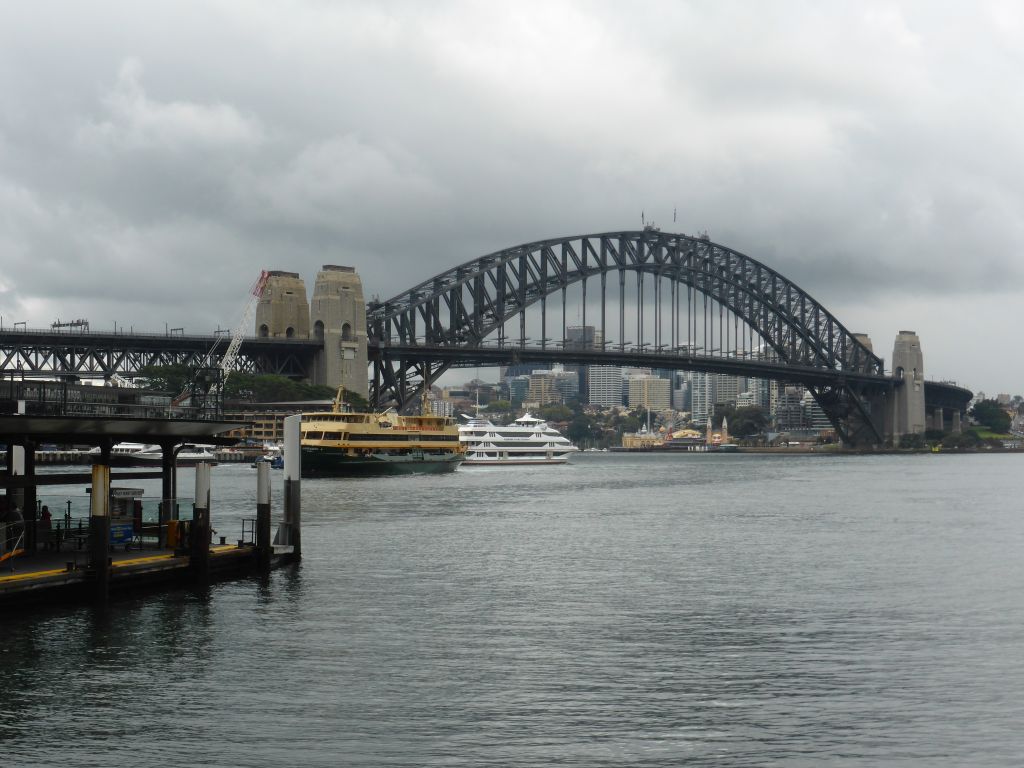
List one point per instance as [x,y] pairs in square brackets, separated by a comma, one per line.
[790,414]
[815,417]
[681,396]
[442,407]
[518,389]
[775,391]
[728,388]
[553,386]
[579,337]
[542,388]
[605,386]
[760,390]
[482,391]
[520,369]
[702,395]
[642,439]
[264,422]
[650,392]
[566,381]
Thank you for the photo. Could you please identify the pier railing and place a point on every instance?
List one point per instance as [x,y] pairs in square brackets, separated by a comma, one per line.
[63,398]
[143,526]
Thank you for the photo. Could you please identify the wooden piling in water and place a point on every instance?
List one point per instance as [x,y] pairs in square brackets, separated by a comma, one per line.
[264,545]
[293,483]
[199,554]
[99,533]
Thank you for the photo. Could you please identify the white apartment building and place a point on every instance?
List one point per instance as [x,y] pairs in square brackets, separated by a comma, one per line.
[606,385]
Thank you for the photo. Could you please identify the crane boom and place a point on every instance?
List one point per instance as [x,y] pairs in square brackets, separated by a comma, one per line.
[227,363]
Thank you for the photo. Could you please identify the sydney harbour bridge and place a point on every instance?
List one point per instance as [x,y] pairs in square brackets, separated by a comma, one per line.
[648,298]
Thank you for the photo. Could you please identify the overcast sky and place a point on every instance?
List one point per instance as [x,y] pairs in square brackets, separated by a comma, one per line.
[154,157]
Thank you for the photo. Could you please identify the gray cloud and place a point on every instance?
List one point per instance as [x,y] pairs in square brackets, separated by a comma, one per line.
[153,160]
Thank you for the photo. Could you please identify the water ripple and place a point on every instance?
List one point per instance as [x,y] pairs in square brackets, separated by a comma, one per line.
[624,610]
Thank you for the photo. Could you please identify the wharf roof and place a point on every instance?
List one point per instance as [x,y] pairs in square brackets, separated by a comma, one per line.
[95,430]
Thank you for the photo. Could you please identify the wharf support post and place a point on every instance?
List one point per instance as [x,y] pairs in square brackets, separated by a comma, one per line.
[199,555]
[99,533]
[264,546]
[293,483]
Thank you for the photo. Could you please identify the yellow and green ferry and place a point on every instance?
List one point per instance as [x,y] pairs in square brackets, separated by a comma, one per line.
[342,443]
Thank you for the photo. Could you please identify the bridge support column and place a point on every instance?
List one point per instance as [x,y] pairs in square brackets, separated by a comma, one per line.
[957,429]
[939,420]
[908,414]
[338,319]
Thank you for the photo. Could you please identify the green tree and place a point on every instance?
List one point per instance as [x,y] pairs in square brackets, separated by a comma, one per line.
[748,421]
[583,429]
[991,414]
[258,388]
[555,412]
[359,403]
[171,379]
[271,388]
[965,440]
[720,411]
[499,406]
[912,442]
[627,424]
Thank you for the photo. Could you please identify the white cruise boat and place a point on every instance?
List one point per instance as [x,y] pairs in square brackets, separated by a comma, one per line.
[124,454]
[189,454]
[528,440]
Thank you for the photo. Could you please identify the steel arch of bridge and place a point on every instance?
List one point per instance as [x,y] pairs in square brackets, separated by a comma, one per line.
[450,318]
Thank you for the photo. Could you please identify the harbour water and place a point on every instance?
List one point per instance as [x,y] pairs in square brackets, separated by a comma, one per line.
[648,610]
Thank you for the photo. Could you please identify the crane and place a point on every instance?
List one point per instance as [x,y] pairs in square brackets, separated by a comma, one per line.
[207,383]
[227,363]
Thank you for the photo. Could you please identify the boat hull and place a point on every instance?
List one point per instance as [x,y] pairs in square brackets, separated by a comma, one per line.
[325,462]
[513,462]
[121,461]
[180,461]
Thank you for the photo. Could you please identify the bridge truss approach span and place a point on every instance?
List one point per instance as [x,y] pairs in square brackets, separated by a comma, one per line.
[46,353]
[652,299]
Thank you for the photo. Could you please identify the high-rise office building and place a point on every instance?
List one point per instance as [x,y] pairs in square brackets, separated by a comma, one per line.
[727,388]
[814,415]
[790,414]
[518,389]
[702,396]
[580,337]
[605,386]
[553,386]
[651,392]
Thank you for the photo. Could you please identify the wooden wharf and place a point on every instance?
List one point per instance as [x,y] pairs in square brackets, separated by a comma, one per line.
[63,577]
[81,563]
